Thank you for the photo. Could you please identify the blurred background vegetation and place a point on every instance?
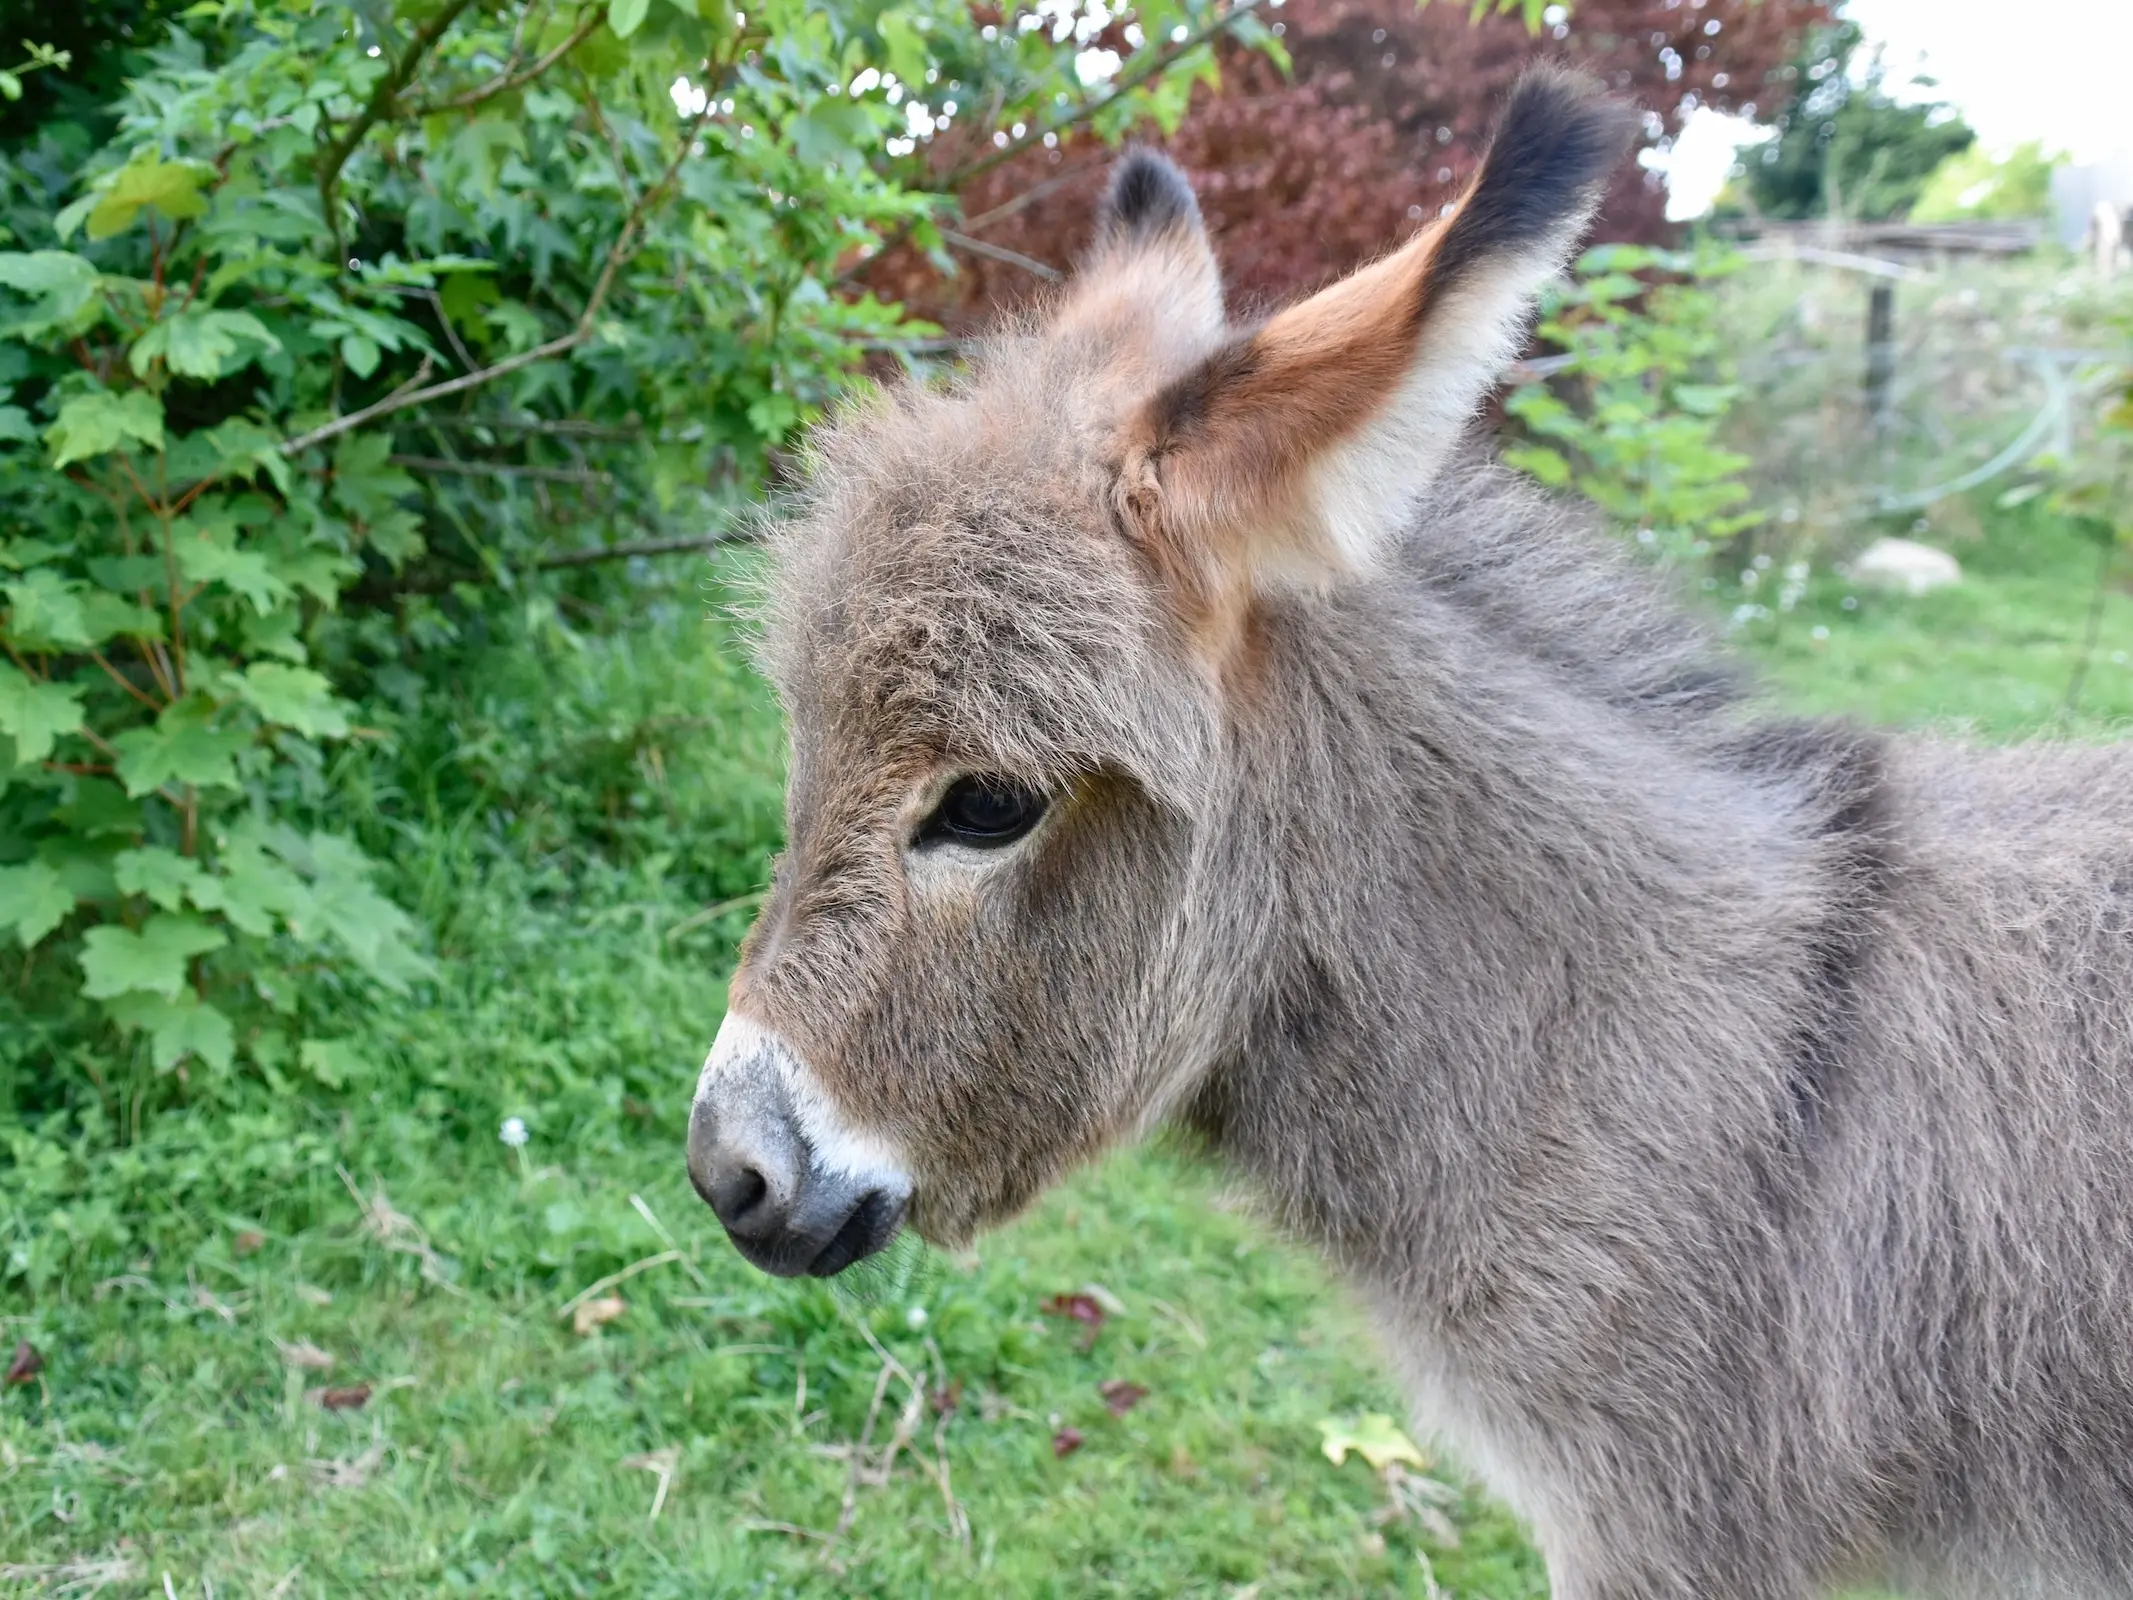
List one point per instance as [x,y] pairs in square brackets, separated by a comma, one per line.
[384,390]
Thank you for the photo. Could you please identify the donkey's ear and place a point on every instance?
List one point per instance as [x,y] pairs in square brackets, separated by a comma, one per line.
[1305,444]
[1149,280]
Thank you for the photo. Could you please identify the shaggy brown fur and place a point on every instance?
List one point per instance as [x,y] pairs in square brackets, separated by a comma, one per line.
[1727,1118]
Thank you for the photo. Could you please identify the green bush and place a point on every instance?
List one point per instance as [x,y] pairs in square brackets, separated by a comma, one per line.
[355,320]
[1631,415]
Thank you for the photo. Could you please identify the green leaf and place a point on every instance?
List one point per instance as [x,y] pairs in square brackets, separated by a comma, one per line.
[1543,463]
[251,888]
[104,614]
[163,875]
[91,424]
[182,747]
[627,16]
[172,187]
[829,133]
[35,714]
[185,1026]
[208,555]
[64,284]
[377,933]
[33,901]
[116,961]
[202,344]
[1373,1436]
[332,1061]
[45,612]
[360,351]
[295,697]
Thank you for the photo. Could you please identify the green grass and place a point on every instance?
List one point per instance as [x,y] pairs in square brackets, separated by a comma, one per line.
[501,1453]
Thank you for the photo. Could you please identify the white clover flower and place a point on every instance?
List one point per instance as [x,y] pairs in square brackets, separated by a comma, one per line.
[513,1132]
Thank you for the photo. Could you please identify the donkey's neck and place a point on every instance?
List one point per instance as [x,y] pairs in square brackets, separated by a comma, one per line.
[1548,914]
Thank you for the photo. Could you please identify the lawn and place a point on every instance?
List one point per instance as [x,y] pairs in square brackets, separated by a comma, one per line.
[568,1385]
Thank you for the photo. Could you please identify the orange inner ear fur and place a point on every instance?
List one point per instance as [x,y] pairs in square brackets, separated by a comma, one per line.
[1223,451]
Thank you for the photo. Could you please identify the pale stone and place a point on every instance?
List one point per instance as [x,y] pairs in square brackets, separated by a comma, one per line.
[1907,565]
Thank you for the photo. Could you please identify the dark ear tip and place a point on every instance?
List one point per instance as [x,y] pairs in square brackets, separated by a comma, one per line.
[1568,120]
[1147,196]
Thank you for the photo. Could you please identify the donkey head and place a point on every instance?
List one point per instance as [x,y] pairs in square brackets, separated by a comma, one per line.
[1012,629]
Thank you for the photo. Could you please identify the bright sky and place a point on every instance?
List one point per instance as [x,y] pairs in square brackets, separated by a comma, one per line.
[2048,69]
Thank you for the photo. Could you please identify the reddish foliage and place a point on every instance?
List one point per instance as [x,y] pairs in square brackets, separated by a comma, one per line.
[1120,1396]
[1304,177]
[1079,1308]
[26,1365]
[1066,1441]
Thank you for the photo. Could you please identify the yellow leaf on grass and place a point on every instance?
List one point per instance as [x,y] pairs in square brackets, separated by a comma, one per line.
[596,1313]
[1372,1436]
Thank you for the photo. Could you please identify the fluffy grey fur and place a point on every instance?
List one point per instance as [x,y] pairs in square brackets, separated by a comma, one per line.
[1728,1118]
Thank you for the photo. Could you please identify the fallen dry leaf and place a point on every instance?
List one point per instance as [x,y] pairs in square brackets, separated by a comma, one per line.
[26,1365]
[351,1398]
[1120,1396]
[1066,1441]
[248,1240]
[1373,1435]
[596,1313]
[305,1355]
[1082,1308]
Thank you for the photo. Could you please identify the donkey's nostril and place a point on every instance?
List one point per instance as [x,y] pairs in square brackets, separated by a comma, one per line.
[741,1198]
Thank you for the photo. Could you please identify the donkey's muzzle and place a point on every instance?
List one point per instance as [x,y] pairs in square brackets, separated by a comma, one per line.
[792,1198]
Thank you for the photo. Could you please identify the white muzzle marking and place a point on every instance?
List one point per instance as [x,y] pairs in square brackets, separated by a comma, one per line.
[749,1065]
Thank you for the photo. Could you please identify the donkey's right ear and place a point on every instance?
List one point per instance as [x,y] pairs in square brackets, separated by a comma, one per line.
[1149,278]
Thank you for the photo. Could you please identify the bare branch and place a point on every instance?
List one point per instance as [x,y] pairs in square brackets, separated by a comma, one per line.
[499,469]
[734,533]
[617,253]
[505,82]
[382,99]
[566,428]
[1135,74]
[1000,252]
[1028,197]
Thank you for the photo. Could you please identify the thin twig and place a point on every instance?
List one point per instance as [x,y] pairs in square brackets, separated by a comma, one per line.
[1135,74]
[125,682]
[382,98]
[617,253]
[504,83]
[1000,252]
[1089,105]
[499,469]
[643,547]
[2093,628]
[613,1278]
[1028,197]
[564,429]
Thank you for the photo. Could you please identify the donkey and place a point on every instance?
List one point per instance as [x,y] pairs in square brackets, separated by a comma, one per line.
[1725,1118]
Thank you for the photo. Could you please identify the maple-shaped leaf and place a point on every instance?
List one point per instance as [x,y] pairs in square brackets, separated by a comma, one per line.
[116,961]
[185,1027]
[163,875]
[34,900]
[183,746]
[35,714]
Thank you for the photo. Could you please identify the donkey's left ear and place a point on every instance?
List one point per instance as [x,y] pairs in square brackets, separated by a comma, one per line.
[1149,281]
[1304,445]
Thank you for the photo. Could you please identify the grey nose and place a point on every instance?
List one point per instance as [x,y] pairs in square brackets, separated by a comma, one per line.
[783,1210]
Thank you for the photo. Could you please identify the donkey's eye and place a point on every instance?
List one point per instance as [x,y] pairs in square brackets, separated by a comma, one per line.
[983,811]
